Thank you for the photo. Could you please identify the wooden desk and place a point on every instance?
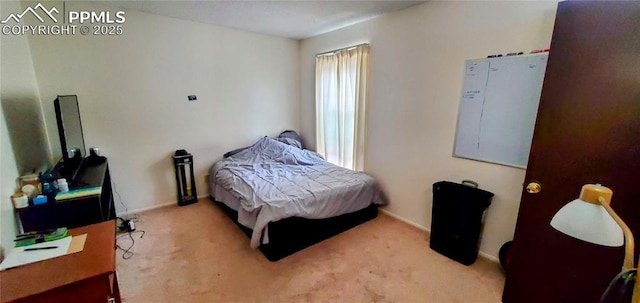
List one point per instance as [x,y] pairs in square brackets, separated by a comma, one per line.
[85,277]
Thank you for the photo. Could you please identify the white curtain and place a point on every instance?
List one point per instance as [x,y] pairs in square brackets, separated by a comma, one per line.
[341,99]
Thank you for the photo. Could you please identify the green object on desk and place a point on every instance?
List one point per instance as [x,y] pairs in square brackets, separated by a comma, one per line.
[31,238]
[76,193]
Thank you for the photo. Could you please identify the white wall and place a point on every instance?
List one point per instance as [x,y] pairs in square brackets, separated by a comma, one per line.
[132,90]
[417,62]
[8,175]
[23,144]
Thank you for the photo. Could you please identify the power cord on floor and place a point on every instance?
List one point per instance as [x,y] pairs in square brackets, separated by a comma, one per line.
[126,252]
[127,226]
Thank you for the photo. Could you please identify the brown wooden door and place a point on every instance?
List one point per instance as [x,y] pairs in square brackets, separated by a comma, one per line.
[587,131]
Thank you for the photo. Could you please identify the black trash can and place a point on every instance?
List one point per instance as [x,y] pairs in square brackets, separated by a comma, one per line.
[457,220]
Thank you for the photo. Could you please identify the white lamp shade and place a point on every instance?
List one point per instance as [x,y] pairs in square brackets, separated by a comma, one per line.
[588,222]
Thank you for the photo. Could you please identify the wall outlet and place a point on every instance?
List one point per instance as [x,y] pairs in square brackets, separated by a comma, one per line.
[192,98]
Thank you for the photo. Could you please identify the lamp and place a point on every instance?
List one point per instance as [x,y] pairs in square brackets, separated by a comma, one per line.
[590,218]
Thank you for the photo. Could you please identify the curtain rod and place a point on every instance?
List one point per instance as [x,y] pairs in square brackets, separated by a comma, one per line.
[341,49]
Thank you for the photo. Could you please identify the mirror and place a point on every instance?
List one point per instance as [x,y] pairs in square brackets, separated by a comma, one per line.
[70,127]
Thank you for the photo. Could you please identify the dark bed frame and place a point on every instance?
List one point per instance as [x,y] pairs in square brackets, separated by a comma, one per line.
[291,235]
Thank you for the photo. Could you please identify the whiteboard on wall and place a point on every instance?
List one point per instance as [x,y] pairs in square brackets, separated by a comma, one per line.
[498,108]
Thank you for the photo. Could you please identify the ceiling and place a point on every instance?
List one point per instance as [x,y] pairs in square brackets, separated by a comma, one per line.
[291,19]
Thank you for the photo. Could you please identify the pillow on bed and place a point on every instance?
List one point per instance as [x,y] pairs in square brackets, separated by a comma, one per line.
[235,151]
[290,141]
[292,138]
[289,137]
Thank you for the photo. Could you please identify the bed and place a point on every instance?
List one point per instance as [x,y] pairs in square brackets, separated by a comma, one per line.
[286,198]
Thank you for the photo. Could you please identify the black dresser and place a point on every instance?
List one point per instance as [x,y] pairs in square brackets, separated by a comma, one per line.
[79,211]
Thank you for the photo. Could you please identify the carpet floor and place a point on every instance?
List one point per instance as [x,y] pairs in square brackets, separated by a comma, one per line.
[197,254]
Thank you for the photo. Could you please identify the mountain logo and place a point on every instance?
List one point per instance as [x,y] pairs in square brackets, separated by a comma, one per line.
[18,17]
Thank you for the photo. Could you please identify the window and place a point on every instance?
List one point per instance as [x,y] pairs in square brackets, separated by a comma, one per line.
[341,98]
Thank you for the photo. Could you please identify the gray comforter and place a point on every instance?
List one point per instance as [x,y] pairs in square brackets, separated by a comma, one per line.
[273,181]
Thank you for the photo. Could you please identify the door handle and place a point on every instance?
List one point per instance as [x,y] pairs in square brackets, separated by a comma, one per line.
[533,188]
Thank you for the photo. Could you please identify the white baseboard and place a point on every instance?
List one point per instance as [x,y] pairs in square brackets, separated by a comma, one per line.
[488,257]
[418,226]
[152,207]
[428,230]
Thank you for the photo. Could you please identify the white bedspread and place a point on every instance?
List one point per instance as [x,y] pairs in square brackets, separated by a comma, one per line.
[273,181]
